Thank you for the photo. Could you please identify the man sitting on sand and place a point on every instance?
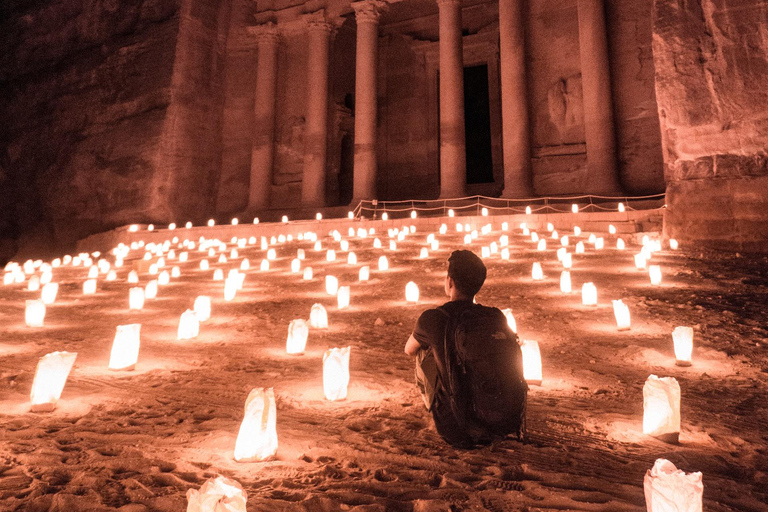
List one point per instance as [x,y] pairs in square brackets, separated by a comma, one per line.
[434,334]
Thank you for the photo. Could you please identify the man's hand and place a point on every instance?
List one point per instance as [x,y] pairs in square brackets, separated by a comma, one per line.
[412,346]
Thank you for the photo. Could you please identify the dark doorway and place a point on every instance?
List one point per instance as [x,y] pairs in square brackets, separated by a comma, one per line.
[477,125]
[346,170]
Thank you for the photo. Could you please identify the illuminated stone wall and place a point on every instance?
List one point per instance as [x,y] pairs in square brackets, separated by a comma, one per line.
[711,62]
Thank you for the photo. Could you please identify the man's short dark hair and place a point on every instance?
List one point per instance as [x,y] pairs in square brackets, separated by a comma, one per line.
[467,271]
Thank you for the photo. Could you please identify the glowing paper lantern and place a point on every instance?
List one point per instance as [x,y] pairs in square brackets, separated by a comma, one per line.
[537,273]
[661,407]
[589,294]
[527,210]
[505,253]
[230,288]
[620,245]
[383,263]
[336,373]
[567,260]
[330,255]
[575,208]
[542,246]
[245,264]
[342,297]
[621,207]
[384,216]
[612,229]
[8,278]
[424,253]
[565,282]
[599,243]
[668,489]
[411,292]
[331,285]
[189,325]
[654,272]
[621,312]
[561,253]
[683,340]
[49,292]
[485,252]
[467,239]
[308,274]
[89,287]
[531,361]
[218,494]
[451,213]
[318,317]
[264,265]
[298,331]
[202,308]
[50,377]
[271,254]
[34,313]
[150,291]
[413,214]
[351,259]
[125,348]
[136,298]
[204,264]
[510,319]
[364,273]
[640,261]
[257,438]
[295,265]
[673,244]
[164,278]
[34,283]
[580,248]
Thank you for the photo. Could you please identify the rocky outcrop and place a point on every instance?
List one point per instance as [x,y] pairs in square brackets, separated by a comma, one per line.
[711,60]
[108,113]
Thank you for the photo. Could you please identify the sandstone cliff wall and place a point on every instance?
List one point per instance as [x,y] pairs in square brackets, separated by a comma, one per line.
[85,87]
[711,60]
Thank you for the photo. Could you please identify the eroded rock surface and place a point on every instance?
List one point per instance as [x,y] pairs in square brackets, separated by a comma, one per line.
[711,61]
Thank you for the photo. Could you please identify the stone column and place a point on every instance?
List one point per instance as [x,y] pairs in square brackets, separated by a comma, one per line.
[598,102]
[367,16]
[263,149]
[316,118]
[453,157]
[516,147]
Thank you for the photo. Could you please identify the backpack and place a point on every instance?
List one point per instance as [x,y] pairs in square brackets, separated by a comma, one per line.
[484,372]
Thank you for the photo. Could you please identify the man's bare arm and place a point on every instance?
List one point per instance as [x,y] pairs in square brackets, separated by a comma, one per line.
[412,346]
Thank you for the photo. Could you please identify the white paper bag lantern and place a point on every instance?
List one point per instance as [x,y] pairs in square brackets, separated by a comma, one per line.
[34,284]
[230,288]
[264,265]
[257,438]
[565,282]
[352,259]
[467,239]
[531,361]
[364,274]
[245,264]
[589,294]
[683,340]
[136,298]
[661,407]
[599,243]
[8,278]
[673,244]
[50,377]
[640,261]
[654,272]
[89,287]
[411,292]
[528,210]
[668,489]
[34,313]
[561,253]
[204,264]
[342,297]
[150,291]
[93,272]
[383,263]
[298,332]
[318,317]
[537,273]
[308,274]
[125,347]
[621,312]
[510,319]
[620,245]
[424,253]
[218,275]
[336,373]
[392,245]
[621,207]
[271,254]
[331,285]
[183,257]
[330,255]
[485,252]
[542,245]
[580,248]
[49,292]
[295,265]
[505,253]
[189,325]
[202,308]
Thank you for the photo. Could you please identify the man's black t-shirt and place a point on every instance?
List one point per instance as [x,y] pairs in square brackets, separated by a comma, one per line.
[430,333]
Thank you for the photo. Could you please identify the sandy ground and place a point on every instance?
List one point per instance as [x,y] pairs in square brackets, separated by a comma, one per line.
[136,441]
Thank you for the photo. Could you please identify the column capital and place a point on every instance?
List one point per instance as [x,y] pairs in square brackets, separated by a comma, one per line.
[265,33]
[317,22]
[368,11]
[441,3]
